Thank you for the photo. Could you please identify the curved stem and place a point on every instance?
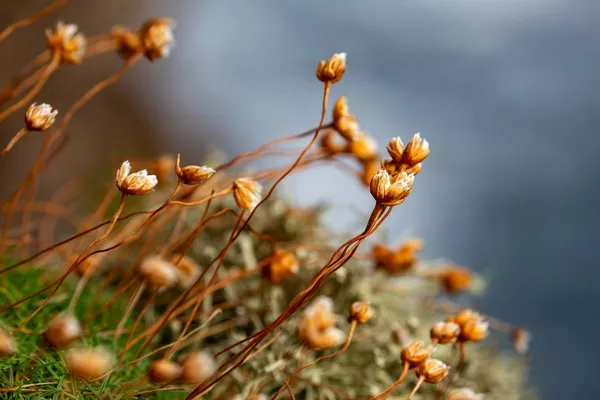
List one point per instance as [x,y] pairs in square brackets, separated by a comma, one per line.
[27,21]
[417,386]
[14,141]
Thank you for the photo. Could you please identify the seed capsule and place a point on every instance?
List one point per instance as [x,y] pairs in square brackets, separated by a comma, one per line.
[416,150]
[40,117]
[247,193]
[63,330]
[445,332]
[432,371]
[332,70]
[283,265]
[137,183]
[360,312]
[67,42]
[157,38]
[474,331]
[396,149]
[158,272]
[197,367]
[88,364]
[193,174]
[162,371]
[415,354]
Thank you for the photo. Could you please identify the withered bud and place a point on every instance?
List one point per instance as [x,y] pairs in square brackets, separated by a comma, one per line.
[163,371]
[134,184]
[521,339]
[88,364]
[465,316]
[187,270]
[416,150]
[193,174]
[330,143]
[396,149]
[63,330]
[474,331]
[464,394]
[364,148]
[370,168]
[360,312]
[332,70]
[320,313]
[391,191]
[344,122]
[283,264]
[415,169]
[157,38]
[197,367]
[39,117]
[8,346]
[67,42]
[456,279]
[432,371]
[127,42]
[415,354]
[247,193]
[445,332]
[324,339]
[159,273]
[401,260]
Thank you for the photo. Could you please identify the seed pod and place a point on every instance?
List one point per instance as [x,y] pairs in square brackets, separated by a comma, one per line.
[445,332]
[390,191]
[283,265]
[8,346]
[157,38]
[474,331]
[396,149]
[332,70]
[331,144]
[67,42]
[137,183]
[416,150]
[127,42]
[63,330]
[187,270]
[344,122]
[160,273]
[197,367]
[360,312]
[247,193]
[432,371]
[193,174]
[40,117]
[163,371]
[456,279]
[88,364]
[364,148]
[465,316]
[325,339]
[415,354]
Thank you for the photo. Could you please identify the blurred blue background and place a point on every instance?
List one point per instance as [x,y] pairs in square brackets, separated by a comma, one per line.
[506,91]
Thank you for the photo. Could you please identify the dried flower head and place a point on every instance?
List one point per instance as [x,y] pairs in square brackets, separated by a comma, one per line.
[137,183]
[360,312]
[344,122]
[40,117]
[396,149]
[66,42]
[88,363]
[391,191]
[415,354]
[157,38]
[416,150]
[127,42]
[432,371]
[465,316]
[464,394]
[187,270]
[8,346]
[521,339]
[197,366]
[445,332]
[474,331]
[399,261]
[331,144]
[63,330]
[320,313]
[193,174]
[455,279]
[324,339]
[283,264]
[247,193]
[364,148]
[163,371]
[159,273]
[332,70]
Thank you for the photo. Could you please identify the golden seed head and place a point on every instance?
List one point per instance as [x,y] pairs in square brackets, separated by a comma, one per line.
[163,371]
[63,330]
[416,150]
[247,193]
[197,367]
[134,184]
[398,261]
[474,331]
[445,332]
[456,279]
[464,394]
[158,272]
[415,354]
[364,148]
[67,42]
[340,108]
[360,312]
[127,42]
[8,346]
[432,371]
[331,144]
[40,117]
[193,174]
[332,70]
[88,363]
[157,38]
[320,313]
[325,339]
[396,148]
[187,270]
[344,122]
[465,316]
[391,191]
[283,264]
[415,169]
[521,339]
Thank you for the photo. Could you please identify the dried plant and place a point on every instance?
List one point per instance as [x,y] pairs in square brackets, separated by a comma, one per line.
[219,288]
